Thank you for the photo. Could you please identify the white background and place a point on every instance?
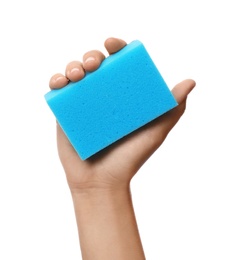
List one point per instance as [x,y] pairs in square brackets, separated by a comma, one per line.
[182,195]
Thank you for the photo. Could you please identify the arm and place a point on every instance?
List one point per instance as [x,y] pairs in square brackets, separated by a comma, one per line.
[100,186]
[107,225]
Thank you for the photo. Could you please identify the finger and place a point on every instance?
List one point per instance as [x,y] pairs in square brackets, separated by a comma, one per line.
[92,60]
[166,122]
[58,81]
[153,134]
[182,89]
[113,45]
[74,71]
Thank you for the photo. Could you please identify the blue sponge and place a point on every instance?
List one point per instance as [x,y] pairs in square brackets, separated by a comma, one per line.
[125,93]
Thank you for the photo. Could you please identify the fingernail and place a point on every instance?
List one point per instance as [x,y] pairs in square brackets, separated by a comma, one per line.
[75,71]
[89,59]
[58,82]
[61,80]
[57,79]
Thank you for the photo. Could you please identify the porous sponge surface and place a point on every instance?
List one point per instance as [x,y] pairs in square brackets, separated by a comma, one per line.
[125,93]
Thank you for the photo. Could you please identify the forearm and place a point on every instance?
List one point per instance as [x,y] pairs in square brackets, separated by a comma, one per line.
[107,225]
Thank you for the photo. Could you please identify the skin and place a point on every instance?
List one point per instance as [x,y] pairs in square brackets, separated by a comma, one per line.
[100,185]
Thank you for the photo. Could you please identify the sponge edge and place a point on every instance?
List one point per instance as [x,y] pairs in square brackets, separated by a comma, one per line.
[125,93]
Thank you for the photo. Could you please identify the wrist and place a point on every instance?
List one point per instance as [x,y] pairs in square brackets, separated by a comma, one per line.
[100,192]
[90,203]
[107,225]
[95,183]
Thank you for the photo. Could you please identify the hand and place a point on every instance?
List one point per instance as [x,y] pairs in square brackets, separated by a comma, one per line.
[115,166]
[100,185]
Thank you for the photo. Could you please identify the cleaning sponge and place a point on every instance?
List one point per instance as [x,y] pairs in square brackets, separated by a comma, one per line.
[124,93]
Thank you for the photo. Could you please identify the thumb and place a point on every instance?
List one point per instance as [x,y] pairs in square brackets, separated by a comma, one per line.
[182,89]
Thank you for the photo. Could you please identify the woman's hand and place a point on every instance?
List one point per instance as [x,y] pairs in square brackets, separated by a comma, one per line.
[117,164]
